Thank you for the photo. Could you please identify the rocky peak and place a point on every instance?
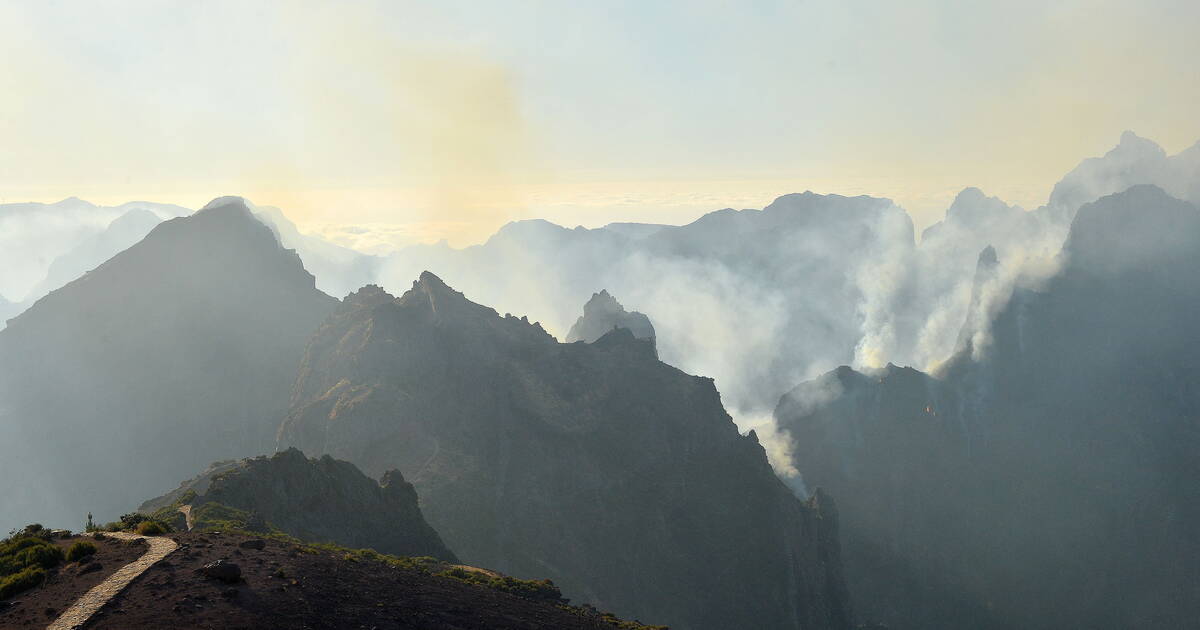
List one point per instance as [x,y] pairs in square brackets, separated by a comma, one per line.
[1133,145]
[1133,161]
[972,207]
[987,269]
[369,295]
[602,314]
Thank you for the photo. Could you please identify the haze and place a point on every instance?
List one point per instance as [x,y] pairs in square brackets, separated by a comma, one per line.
[388,123]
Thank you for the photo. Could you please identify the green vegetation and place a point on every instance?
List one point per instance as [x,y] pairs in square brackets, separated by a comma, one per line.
[80,550]
[24,558]
[529,589]
[210,516]
[137,522]
[23,580]
[151,528]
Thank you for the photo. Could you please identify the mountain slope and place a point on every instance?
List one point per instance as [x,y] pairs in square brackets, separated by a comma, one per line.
[315,500]
[124,231]
[178,351]
[616,475]
[1044,479]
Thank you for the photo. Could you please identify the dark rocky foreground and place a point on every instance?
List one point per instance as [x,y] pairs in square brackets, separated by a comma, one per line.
[285,585]
[67,581]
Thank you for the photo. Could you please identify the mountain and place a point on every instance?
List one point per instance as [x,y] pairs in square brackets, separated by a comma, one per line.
[33,235]
[176,352]
[596,465]
[1044,477]
[1134,161]
[603,313]
[315,500]
[124,231]
[338,270]
[755,298]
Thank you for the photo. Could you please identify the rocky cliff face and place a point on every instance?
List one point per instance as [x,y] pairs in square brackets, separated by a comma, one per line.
[618,476]
[316,500]
[176,352]
[1045,480]
[603,313]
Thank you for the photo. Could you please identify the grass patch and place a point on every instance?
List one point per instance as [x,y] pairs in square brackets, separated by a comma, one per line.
[529,589]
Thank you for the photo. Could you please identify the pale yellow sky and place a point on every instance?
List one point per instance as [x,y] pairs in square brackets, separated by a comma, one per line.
[448,119]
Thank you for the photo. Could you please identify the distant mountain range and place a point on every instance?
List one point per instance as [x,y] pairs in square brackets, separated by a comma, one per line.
[1037,469]
[1045,477]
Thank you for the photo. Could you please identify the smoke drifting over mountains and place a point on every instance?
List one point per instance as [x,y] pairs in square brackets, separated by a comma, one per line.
[757,299]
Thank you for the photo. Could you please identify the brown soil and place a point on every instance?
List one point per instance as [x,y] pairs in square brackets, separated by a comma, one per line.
[284,587]
[64,584]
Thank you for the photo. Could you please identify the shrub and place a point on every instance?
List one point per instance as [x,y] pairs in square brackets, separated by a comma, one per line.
[150,528]
[44,555]
[81,549]
[21,581]
[132,520]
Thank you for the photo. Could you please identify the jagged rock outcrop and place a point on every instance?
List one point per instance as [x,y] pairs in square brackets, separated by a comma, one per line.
[315,500]
[596,465]
[602,314]
[176,352]
[1046,480]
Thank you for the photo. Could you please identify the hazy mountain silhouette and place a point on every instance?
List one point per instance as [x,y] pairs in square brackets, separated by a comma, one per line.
[597,465]
[123,232]
[603,313]
[176,352]
[339,270]
[34,235]
[1135,160]
[1046,477]
[737,295]
[7,310]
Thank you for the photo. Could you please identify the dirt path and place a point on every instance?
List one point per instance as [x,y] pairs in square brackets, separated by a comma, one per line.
[186,510]
[86,606]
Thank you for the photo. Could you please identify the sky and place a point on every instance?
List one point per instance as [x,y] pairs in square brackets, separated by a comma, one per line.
[447,119]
